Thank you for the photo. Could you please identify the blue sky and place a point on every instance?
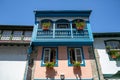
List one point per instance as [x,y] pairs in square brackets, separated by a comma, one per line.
[105,15]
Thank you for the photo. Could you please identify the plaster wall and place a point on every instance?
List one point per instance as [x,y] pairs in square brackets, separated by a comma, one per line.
[12,62]
[108,66]
[63,68]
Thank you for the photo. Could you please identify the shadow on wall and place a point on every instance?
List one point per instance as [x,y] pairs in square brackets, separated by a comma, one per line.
[13,53]
[50,73]
[77,72]
[118,63]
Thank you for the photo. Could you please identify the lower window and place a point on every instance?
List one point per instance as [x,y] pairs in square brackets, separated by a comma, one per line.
[75,55]
[49,55]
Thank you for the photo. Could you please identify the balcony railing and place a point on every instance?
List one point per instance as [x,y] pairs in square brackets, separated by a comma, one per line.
[62,33]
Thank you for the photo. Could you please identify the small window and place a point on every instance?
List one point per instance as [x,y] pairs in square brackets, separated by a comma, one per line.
[6,35]
[49,55]
[17,35]
[75,55]
[27,35]
[113,44]
[62,25]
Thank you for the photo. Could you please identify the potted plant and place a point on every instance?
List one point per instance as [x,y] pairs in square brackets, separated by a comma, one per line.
[80,25]
[49,64]
[115,54]
[76,64]
[46,25]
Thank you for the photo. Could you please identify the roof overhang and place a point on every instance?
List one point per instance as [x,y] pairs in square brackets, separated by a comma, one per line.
[63,13]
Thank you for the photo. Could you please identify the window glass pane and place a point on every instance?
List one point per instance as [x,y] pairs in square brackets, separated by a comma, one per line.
[78,58]
[50,55]
[6,35]
[46,55]
[62,25]
[27,35]
[17,35]
[113,44]
[78,54]
[53,55]
[72,55]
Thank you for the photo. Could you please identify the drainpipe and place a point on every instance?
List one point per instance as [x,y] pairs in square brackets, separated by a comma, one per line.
[29,50]
[96,63]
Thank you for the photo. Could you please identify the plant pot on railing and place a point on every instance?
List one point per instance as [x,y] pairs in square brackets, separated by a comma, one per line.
[80,25]
[49,65]
[115,54]
[46,25]
[76,65]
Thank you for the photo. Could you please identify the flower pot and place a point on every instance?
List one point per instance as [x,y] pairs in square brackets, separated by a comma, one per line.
[45,28]
[80,28]
[76,67]
[113,56]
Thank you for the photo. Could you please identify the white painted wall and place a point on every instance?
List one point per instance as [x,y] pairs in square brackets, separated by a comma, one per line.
[108,67]
[12,62]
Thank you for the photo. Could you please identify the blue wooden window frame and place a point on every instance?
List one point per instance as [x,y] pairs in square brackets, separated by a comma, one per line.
[82,56]
[42,58]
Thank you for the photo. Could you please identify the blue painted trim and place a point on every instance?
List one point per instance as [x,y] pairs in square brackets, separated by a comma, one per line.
[65,79]
[90,31]
[83,59]
[62,15]
[34,33]
[29,50]
[108,75]
[53,29]
[64,40]
[65,13]
[71,29]
[42,58]
[62,43]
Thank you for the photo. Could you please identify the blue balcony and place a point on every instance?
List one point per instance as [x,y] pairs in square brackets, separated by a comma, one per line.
[59,36]
[62,28]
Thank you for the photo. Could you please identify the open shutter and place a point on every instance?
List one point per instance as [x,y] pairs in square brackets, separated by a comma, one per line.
[46,55]
[78,54]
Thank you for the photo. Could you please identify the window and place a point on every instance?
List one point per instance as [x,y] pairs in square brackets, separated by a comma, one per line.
[113,49]
[27,35]
[62,25]
[49,55]
[17,35]
[6,35]
[75,55]
[114,44]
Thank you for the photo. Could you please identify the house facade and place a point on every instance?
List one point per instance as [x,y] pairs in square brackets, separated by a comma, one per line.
[107,46]
[62,40]
[60,46]
[14,43]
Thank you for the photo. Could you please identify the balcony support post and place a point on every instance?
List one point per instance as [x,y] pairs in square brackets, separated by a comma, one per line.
[53,29]
[89,31]
[34,34]
[71,29]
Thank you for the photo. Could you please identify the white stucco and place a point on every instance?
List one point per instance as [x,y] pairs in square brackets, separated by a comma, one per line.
[107,66]
[12,62]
